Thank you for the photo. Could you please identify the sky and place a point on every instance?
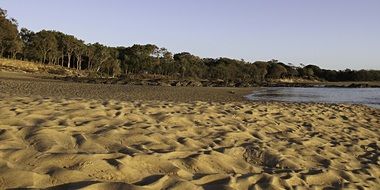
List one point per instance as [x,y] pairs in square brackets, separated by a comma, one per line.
[333,34]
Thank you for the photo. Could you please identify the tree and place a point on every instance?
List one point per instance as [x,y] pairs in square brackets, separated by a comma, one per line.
[190,65]
[10,41]
[111,65]
[253,73]
[55,47]
[69,43]
[262,69]
[140,58]
[306,72]
[90,51]
[79,50]
[26,38]
[61,48]
[276,70]
[45,43]
[167,64]
[15,47]
[315,70]
[292,71]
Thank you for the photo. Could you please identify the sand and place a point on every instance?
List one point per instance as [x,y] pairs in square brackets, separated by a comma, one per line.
[21,84]
[66,143]
[62,135]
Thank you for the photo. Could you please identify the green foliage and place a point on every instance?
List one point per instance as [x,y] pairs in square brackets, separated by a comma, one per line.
[53,47]
[276,71]
[45,44]
[189,65]
[10,42]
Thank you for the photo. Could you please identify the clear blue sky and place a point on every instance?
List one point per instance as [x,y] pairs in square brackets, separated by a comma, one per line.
[334,34]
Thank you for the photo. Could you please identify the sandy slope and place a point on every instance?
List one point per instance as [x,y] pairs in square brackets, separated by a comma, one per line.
[94,144]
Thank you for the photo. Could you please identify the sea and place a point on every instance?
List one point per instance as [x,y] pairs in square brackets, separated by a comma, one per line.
[364,96]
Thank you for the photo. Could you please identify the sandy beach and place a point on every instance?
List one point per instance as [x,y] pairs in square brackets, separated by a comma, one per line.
[62,136]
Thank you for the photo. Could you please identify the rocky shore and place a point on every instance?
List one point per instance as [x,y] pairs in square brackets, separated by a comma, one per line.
[215,83]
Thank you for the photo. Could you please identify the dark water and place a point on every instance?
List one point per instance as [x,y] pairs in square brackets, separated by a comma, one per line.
[365,96]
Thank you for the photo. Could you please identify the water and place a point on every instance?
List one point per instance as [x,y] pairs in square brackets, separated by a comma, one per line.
[365,96]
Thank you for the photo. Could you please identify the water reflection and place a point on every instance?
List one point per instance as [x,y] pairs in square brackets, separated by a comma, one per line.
[367,96]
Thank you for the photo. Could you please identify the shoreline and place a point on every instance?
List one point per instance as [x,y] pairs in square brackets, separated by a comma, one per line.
[218,83]
[21,84]
[32,86]
[166,82]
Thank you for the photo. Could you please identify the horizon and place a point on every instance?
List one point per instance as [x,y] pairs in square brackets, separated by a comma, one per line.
[334,40]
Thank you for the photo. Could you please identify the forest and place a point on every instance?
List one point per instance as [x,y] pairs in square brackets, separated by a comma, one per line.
[57,48]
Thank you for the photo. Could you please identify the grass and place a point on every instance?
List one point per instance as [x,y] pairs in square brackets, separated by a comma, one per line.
[32,67]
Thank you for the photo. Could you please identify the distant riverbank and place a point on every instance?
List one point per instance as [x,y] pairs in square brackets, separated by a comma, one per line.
[55,72]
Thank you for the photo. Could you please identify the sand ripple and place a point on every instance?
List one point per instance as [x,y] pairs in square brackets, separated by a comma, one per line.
[93,144]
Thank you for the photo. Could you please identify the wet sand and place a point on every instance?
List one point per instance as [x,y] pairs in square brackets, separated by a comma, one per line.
[34,85]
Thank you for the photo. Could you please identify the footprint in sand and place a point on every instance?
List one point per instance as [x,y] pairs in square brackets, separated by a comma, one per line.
[257,155]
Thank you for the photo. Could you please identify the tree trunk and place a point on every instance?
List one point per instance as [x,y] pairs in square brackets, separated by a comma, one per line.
[63,59]
[78,62]
[14,55]
[68,60]
[44,58]
[89,66]
[1,52]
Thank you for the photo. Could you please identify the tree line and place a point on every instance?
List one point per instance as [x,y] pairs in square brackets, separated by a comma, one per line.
[57,48]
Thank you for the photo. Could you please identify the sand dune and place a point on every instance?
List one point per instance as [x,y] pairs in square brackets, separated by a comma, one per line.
[94,144]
